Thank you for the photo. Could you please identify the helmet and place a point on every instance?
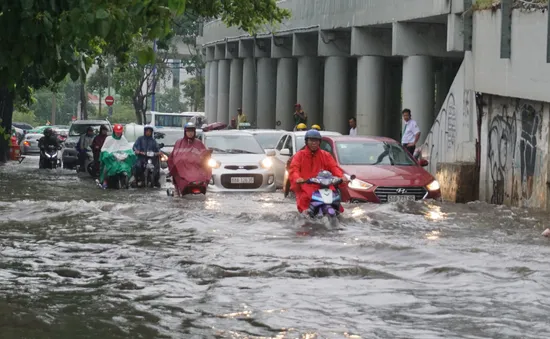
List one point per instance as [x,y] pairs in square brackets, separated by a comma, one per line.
[48,132]
[317,127]
[146,127]
[313,134]
[301,127]
[118,128]
[103,128]
[190,125]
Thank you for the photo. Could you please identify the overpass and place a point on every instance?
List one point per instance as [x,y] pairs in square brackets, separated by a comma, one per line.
[369,59]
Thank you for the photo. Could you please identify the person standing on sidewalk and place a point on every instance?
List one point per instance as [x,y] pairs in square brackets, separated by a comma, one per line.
[352,127]
[411,132]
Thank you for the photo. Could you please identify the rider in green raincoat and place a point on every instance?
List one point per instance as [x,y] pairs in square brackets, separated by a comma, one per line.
[117,156]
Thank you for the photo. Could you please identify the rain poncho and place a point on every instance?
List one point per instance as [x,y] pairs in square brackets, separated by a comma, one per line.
[188,163]
[112,148]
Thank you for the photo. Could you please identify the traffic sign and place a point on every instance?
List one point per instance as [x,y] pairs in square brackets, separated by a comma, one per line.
[109,100]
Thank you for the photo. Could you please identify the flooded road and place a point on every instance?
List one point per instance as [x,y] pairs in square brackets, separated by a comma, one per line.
[79,262]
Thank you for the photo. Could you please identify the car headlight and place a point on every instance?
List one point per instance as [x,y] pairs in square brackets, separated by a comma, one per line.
[433,186]
[267,163]
[163,157]
[214,163]
[357,184]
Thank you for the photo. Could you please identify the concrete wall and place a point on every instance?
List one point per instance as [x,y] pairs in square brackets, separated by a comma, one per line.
[514,154]
[526,74]
[453,134]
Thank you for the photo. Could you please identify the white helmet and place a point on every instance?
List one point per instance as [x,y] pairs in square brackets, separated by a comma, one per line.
[146,127]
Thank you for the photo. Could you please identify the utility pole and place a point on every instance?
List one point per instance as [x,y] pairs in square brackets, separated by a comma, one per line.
[54,108]
[154,76]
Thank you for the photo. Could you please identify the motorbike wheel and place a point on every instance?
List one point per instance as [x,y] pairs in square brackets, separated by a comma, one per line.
[146,179]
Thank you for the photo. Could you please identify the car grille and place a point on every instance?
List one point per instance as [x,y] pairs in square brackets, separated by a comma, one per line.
[383,192]
[226,181]
[247,167]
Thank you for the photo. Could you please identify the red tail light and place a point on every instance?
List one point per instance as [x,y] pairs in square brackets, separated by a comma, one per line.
[196,191]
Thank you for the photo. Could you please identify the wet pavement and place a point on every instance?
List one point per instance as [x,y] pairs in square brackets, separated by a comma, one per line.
[80,262]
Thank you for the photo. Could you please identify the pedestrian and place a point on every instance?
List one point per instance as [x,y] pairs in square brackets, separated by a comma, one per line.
[241,117]
[411,132]
[300,117]
[352,127]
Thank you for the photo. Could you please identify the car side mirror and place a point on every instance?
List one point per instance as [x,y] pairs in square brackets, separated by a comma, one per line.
[423,162]
[285,151]
[161,145]
[270,153]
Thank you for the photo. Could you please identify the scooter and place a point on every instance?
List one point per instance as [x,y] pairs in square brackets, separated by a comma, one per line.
[119,180]
[152,161]
[50,158]
[325,202]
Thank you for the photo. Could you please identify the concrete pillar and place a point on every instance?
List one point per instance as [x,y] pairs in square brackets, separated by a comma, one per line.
[223,91]
[206,87]
[392,116]
[308,88]
[336,99]
[213,92]
[370,95]
[235,87]
[418,91]
[249,89]
[286,93]
[266,93]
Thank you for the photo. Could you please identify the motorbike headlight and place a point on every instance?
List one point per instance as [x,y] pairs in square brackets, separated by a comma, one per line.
[433,186]
[358,184]
[214,163]
[267,163]
[163,157]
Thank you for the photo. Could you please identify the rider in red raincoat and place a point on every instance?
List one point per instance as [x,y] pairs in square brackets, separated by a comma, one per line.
[187,162]
[306,164]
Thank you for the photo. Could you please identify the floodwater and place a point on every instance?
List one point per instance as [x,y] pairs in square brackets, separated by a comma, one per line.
[80,262]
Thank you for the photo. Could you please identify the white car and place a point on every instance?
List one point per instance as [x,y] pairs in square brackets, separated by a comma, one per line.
[239,163]
[267,138]
[288,145]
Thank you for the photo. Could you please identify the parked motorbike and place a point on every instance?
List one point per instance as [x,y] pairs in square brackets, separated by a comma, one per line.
[325,202]
[49,158]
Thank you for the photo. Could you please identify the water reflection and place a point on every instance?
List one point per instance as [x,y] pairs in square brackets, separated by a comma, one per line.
[76,261]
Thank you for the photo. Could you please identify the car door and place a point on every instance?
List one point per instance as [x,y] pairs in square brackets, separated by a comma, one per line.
[279,162]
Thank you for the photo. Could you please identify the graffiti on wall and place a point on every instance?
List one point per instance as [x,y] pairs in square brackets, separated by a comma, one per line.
[516,162]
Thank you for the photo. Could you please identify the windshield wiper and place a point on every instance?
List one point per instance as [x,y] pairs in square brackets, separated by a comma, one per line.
[240,151]
[217,150]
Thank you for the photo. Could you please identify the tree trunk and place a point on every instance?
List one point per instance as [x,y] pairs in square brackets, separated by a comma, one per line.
[6,113]
[137,108]
[83,102]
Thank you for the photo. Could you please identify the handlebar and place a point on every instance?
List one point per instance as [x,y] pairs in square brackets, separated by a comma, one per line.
[333,181]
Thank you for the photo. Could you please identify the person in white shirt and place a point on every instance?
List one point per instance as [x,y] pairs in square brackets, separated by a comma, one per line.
[411,132]
[352,127]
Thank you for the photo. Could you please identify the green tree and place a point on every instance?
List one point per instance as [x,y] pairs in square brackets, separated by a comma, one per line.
[47,40]
[169,101]
[25,116]
[193,91]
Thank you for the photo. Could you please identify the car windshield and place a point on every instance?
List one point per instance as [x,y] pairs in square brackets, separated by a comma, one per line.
[372,153]
[300,142]
[268,140]
[79,129]
[234,144]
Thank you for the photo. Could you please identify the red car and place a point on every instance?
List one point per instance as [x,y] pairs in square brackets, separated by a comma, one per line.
[384,170]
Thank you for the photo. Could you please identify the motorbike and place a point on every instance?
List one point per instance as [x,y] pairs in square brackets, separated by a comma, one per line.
[152,167]
[325,202]
[120,179]
[50,157]
[90,165]
[196,178]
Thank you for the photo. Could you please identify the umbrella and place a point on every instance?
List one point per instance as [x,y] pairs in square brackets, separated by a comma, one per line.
[214,126]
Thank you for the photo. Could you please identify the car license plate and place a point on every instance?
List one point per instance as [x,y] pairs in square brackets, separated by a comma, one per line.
[242,180]
[400,198]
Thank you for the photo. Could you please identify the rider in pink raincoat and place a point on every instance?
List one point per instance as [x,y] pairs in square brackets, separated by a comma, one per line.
[188,161]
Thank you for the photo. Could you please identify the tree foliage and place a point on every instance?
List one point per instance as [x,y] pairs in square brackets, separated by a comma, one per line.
[47,40]
[193,91]
[170,101]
